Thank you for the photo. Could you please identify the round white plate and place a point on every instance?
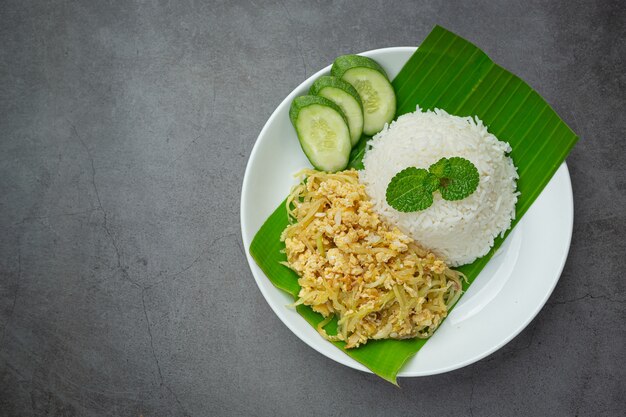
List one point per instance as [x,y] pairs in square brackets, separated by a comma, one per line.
[505,297]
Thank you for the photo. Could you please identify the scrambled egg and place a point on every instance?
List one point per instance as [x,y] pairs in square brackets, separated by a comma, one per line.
[374,278]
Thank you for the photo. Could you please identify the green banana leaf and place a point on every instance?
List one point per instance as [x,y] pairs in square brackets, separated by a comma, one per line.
[449,73]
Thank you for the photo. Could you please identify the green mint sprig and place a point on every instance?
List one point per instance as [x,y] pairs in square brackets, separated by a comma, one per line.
[412,188]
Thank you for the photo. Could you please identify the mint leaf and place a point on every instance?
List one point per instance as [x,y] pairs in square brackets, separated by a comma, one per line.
[459,177]
[441,168]
[411,190]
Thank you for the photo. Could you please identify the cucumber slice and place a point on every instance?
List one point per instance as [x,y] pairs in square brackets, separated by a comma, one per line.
[346,97]
[370,80]
[323,132]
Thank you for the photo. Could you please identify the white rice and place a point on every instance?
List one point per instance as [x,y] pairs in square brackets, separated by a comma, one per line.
[459,231]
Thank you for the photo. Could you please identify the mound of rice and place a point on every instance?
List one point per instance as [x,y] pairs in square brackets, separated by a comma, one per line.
[458,231]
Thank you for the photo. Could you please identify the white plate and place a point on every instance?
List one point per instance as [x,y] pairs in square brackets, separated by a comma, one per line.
[505,297]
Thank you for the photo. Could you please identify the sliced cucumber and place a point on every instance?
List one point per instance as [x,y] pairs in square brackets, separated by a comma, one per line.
[346,97]
[370,80]
[323,132]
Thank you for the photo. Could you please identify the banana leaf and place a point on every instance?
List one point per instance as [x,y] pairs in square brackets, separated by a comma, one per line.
[449,73]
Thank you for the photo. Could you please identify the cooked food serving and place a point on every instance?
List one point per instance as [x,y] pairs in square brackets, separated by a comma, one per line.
[374,249]
[457,230]
[369,254]
[375,279]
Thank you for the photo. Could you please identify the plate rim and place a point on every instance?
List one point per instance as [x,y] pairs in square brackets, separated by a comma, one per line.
[338,358]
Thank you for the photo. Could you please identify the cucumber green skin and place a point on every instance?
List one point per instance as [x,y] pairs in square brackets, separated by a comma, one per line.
[324,82]
[345,62]
[329,81]
[300,103]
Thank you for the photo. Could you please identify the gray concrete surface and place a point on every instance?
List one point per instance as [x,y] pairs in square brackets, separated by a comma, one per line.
[125,129]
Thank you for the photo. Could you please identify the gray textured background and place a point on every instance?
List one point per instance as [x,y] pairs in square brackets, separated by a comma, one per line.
[125,130]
